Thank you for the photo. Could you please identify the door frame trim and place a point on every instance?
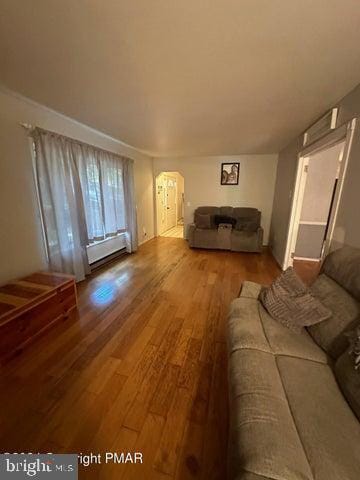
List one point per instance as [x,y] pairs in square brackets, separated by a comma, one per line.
[344,133]
[299,191]
[156,176]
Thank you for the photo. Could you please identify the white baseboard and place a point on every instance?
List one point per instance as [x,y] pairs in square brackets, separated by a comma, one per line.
[305,259]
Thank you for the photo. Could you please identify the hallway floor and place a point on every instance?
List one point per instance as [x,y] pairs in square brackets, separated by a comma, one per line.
[175,232]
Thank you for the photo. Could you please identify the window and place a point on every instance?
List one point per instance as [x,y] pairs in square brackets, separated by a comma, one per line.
[102,184]
[86,195]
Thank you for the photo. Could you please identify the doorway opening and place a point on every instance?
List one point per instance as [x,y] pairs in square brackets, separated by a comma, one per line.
[170,204]
[319,183]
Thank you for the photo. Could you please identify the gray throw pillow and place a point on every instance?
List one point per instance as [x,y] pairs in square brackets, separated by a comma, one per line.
[348,378]
[354,350]
[203,220]
[289,301]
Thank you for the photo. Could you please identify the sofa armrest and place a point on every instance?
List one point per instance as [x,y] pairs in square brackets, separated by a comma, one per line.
[250,476]
[260,236]
[190,234]
[250,290]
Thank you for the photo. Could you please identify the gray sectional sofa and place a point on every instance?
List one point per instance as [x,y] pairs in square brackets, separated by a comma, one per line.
[246,235]
[289,417]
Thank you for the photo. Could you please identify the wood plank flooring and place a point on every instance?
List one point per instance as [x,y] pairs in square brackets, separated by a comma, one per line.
[307,270]
[141,366]
[175,232]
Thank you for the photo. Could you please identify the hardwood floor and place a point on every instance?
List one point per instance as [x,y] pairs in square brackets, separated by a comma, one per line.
[175,232]
[307,270]
[141,367]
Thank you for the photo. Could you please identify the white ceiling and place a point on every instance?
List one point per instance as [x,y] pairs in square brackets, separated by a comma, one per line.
[184,77]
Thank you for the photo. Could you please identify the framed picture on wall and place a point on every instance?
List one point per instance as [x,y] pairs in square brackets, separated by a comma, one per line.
[230,173]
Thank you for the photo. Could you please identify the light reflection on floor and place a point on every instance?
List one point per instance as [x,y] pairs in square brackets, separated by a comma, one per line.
[122,278]
[104,294]
[108,289]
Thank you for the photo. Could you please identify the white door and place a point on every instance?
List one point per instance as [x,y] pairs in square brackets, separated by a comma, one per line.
[170,202]
[161,204]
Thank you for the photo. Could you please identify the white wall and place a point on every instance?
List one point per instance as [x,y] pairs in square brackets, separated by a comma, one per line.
[21,245]
[202,183]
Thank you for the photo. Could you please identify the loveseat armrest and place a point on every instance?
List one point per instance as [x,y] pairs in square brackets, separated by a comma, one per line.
[190,234]
[250,290]
[260,237]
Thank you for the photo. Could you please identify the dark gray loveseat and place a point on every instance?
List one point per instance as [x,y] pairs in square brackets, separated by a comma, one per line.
[295,398]
[246,235]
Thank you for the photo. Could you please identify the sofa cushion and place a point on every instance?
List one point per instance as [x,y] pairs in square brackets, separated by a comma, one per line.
[251,327]
[209,210]
[206,238]
[289,301]
[283,341]
[343,266]
[227,211]
[345,311]
[202,220]
[246,241]
[248,219]
[247,212]
[263,437]
[327,427]
[349,380]
[212,211]
[246,224]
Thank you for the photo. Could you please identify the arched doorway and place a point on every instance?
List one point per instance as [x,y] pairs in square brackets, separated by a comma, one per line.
[170,204]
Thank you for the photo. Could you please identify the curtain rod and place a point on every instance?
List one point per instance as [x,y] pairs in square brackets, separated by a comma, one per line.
[30,127]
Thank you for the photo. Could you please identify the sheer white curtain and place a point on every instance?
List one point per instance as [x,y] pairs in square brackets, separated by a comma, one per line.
[102,183]
[86,195]
[130,208]
[61,204]
[88,166]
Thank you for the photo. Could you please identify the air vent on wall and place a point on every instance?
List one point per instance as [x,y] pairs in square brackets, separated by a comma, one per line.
[320,128]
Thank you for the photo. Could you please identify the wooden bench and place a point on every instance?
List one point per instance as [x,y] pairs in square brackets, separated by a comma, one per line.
[31,305]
